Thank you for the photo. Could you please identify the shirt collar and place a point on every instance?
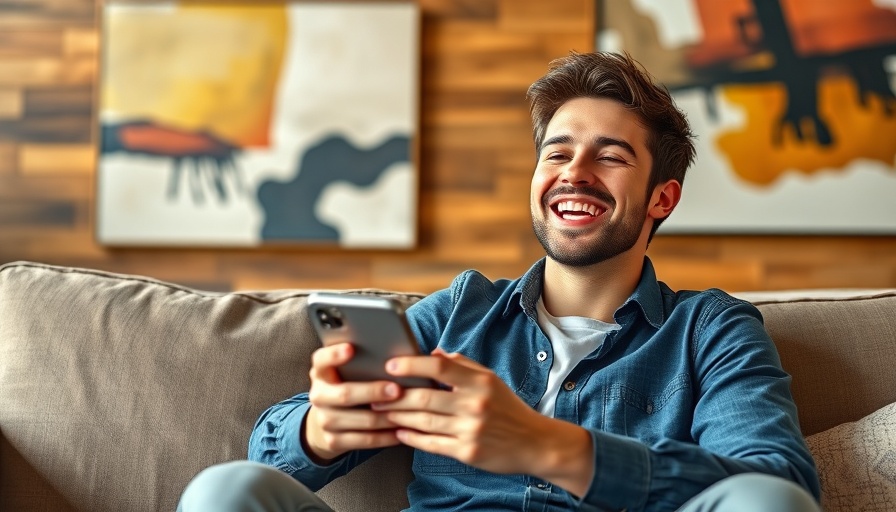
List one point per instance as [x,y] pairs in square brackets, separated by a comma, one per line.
[647,298]
[527,291]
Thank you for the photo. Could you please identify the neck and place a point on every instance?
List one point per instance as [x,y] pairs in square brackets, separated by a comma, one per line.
[595,291]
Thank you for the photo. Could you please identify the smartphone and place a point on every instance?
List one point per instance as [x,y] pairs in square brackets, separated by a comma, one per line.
[375,325]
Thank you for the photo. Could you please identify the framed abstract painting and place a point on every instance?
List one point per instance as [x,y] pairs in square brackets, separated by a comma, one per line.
[243,124]
[792,102]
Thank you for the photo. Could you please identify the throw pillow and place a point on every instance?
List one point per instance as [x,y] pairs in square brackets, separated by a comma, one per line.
[857,463]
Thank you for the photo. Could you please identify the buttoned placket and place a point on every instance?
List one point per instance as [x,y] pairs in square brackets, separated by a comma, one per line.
[538,494]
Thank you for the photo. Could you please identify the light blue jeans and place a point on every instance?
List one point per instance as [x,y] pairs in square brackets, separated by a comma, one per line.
[244,486]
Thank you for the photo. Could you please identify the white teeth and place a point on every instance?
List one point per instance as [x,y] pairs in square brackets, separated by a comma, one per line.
[572,206]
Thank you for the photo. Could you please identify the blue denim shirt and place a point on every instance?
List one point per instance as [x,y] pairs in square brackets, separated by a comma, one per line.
[689,391]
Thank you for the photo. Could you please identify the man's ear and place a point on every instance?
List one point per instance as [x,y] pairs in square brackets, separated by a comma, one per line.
[664,199]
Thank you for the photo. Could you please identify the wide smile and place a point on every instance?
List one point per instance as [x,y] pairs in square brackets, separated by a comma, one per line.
[577,210]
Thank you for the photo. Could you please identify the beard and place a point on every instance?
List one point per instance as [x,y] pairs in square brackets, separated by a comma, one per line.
[579,248]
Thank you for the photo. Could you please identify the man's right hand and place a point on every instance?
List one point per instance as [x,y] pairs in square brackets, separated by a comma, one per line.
[339,420]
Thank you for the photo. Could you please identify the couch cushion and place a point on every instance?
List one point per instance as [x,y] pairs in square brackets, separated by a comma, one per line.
[116,390]
[857,463]
[840,348]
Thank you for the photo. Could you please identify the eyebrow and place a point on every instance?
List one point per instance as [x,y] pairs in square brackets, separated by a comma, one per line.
[599,141]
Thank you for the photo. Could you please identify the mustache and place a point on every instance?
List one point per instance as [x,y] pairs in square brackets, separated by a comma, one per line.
[596,193]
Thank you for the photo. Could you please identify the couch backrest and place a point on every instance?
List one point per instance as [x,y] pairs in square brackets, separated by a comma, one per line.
[116,390]
[840,349]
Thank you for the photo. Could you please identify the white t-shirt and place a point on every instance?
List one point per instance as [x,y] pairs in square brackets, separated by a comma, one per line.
[572,338]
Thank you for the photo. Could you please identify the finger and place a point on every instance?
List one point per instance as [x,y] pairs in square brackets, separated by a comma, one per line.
[451,369]
[424,399]
[437,444]
[338,443]
[462,360]
[425,422]
[348,420]
[332,355]
[368,440]
[351,394]
[325,360]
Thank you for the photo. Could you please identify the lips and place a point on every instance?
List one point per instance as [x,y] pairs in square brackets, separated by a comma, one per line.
[572,204]
[575,209]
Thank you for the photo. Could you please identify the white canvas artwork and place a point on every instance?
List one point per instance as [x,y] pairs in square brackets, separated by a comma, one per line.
[793,103]
[256,124]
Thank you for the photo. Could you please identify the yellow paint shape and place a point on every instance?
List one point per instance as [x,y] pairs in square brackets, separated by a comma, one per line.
[857,131]
[202,68]
[45,159]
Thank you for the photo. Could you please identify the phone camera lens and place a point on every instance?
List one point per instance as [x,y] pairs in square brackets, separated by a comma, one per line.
[329,319]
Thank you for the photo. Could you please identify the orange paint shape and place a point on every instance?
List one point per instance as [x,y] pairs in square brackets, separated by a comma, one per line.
[731,30]
[169,141]
[722,39]
[858,132]
[822,28]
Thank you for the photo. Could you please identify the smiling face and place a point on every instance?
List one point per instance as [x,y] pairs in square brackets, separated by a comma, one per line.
[588,191]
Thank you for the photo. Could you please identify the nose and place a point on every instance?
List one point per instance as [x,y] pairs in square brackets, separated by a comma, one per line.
[577,173]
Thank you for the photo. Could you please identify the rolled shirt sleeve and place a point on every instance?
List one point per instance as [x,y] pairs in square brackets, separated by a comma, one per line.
[275,441]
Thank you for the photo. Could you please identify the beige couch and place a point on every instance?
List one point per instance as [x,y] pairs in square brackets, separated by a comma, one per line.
[115,390]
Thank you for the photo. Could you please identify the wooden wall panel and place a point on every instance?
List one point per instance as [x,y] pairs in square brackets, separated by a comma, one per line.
[478,58]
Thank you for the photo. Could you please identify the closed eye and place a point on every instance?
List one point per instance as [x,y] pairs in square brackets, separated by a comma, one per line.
[612,159]
[556,156]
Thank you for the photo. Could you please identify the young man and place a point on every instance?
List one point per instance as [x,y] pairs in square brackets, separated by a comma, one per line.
[585,384]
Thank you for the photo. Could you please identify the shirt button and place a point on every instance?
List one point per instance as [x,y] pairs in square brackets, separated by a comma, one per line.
[541,356]
[649,408]
[541,486]
[569,386]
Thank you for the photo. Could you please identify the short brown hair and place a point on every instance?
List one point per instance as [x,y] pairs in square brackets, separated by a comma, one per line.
[621,78]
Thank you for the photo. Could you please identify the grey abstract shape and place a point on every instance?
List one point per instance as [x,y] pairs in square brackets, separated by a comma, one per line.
[289,206]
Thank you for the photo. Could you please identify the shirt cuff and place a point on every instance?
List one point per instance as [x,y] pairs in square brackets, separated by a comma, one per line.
[613,488]
[289,440]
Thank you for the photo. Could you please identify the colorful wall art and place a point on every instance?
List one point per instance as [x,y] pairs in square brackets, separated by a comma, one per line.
[792,101]
[259,123]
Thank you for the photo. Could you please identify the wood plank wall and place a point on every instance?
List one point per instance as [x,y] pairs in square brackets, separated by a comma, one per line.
[478,58]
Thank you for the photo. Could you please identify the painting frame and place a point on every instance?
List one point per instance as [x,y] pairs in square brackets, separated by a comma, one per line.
[791,129]
[259,124]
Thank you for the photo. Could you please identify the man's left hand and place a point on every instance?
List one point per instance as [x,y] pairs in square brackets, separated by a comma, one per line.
[481,422]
